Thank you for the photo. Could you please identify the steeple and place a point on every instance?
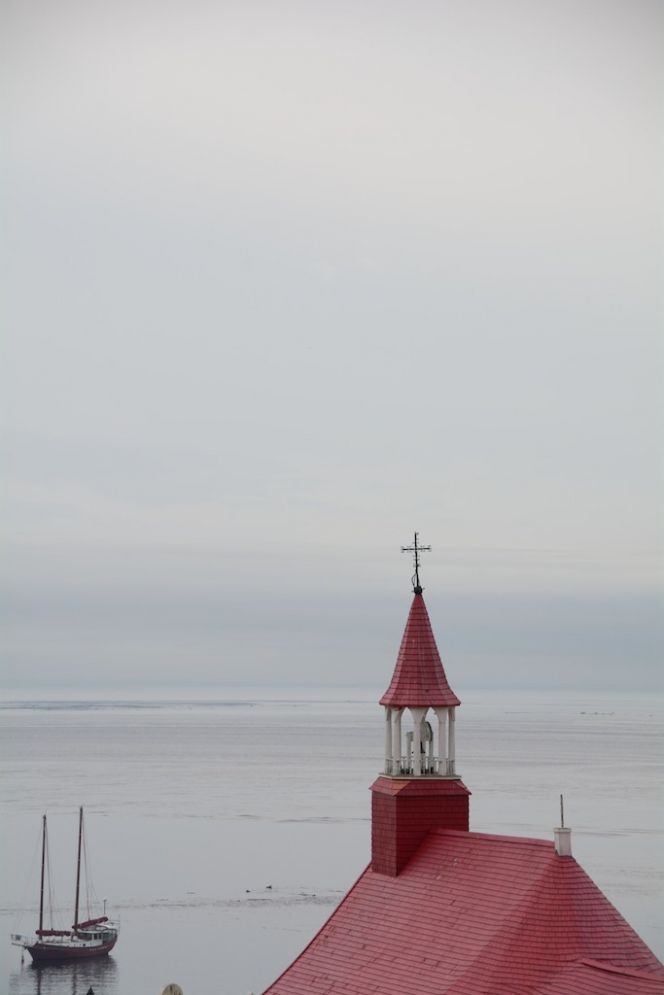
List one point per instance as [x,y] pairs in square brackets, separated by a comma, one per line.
[419,677]
[419,684]
[419,789]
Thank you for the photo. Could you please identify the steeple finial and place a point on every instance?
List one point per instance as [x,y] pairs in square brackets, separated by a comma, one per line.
[416,549]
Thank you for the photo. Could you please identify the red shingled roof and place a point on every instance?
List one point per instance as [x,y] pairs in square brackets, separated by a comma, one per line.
[473,914]
[419,678]
[591,977]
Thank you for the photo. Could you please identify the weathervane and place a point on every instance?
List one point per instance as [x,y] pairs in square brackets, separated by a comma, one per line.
[416,549]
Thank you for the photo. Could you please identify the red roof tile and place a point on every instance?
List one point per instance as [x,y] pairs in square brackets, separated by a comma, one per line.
[594,978]
[419,678]
[472,914]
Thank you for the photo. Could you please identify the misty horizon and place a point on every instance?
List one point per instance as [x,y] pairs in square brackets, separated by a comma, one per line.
[286,282]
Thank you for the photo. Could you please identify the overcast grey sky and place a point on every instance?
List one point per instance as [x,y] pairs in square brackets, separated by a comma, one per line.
[289,280]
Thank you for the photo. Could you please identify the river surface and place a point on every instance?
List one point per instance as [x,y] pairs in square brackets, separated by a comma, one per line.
[224,831]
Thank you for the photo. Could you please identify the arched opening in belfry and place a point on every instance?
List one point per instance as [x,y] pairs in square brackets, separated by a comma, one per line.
[418,751]
[419,741]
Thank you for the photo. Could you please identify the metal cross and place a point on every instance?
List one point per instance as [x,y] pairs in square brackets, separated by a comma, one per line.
[416,549]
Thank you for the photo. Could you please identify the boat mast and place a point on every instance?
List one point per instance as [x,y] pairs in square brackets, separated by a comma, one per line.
[43,864]
[78,863]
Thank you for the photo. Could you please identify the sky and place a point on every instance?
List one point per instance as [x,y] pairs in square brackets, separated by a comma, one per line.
[287,281]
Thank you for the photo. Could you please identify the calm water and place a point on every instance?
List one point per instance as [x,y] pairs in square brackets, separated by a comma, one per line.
[223,833]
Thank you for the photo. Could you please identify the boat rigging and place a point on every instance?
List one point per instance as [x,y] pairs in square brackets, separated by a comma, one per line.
[94,937]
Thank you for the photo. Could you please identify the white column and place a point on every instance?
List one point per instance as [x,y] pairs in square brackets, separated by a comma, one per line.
[430,754]
[388,739]
[418,714]
[442,740]
[450,741]
[396,740]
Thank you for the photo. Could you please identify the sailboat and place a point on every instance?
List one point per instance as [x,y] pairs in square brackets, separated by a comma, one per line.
[91,938]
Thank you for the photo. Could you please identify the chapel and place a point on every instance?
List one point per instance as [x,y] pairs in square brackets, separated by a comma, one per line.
[443,910]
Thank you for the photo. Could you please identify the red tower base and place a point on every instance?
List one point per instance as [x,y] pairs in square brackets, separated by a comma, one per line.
[404,810]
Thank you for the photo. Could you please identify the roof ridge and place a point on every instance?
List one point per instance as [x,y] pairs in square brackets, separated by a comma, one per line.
[520,914]
[473,834]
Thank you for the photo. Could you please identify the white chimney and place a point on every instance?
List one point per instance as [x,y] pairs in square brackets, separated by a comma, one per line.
[562,838]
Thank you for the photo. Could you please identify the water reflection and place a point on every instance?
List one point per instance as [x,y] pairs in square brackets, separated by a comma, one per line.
[66,979]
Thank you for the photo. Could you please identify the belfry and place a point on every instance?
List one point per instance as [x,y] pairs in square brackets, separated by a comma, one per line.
[419,789]
[447,911]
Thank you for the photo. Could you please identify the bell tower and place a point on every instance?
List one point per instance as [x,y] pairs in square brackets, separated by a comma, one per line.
[419,789]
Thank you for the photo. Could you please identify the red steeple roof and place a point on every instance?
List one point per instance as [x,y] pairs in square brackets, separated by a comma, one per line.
[419,678]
